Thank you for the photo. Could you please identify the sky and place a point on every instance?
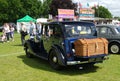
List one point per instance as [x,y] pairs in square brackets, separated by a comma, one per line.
[112,5]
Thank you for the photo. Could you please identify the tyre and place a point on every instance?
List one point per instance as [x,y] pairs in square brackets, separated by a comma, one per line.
[28,53]
[53,60]
[114,48]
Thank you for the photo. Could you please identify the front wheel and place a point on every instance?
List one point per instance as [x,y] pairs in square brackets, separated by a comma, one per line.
[114,48]
[53,60]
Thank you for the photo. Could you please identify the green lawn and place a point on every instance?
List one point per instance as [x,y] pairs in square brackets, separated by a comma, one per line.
[15,66]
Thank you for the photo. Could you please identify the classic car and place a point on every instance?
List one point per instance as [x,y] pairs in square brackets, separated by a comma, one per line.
[58,44]
[112,34]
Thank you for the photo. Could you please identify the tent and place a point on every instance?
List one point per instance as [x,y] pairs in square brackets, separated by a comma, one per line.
[26,21]
[42,20]
[27,18]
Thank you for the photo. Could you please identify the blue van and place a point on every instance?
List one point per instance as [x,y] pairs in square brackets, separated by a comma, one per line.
[57,43]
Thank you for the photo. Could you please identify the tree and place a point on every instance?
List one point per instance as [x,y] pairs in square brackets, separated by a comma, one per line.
[11,10]
[3,10]
[60,4]
[45,8]
[31,7]
[117,18]
[102,12]
[14,10]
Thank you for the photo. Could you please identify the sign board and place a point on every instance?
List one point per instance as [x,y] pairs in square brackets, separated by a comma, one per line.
[42,20]
[65,13]
[87,13]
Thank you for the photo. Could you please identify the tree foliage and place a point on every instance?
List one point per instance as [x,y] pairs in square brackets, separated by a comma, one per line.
[117,18]
[60,4]
[45,8]
[102,12]
[11,10]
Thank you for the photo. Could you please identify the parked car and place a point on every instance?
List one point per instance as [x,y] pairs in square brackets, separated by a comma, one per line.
[112,34]
[57,44]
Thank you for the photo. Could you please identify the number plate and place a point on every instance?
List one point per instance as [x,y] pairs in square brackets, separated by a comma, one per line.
[98,59]
[92,60]
[95,59]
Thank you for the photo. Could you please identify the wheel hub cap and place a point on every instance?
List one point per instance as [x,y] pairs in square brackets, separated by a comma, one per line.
[55,59]
[114,48]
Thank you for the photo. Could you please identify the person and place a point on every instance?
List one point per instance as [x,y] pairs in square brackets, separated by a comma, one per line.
[32,30]
[6,30]
[23,32]
[12,32]
[38,30]
[3,38]
[83,31]
[70,31]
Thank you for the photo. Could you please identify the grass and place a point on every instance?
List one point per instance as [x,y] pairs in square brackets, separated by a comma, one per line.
[15,66]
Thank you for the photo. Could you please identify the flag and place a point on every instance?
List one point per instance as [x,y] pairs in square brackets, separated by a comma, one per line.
[79,5]
[87,4]
[95,5]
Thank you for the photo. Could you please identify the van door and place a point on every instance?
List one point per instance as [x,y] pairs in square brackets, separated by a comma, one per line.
[52,36]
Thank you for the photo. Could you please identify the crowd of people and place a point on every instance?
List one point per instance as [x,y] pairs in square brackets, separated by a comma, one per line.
[34,31]
[7,33]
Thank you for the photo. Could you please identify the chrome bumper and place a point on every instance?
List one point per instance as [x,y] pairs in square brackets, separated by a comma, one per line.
[90,60]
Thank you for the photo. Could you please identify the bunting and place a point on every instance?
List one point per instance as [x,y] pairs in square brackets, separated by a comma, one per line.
[87,4]
[96,6]
[79,5]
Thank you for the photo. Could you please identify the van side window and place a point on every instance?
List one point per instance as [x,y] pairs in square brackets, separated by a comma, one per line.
[105,30]
[45,30]
[57,31]
[52,30]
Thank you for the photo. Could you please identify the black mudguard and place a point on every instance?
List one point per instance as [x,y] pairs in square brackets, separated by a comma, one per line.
[60,54]
[30,45]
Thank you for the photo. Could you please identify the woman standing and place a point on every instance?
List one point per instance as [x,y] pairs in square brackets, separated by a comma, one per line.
[12,32]
[23,32]
[32,30]
[6,30]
